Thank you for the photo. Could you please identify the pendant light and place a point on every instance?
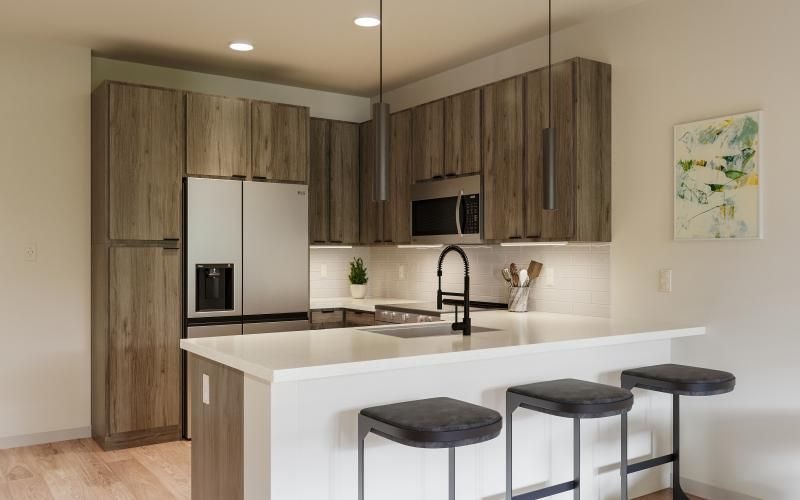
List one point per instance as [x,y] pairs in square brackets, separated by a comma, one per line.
[548,134]
[380,124]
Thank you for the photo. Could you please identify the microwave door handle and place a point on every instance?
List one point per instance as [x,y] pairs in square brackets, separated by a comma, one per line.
[458,213]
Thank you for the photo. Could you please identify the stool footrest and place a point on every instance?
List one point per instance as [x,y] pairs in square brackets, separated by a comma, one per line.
[650,463]
[548,492]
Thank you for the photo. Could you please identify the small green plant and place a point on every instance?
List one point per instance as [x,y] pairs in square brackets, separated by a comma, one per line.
[358,272]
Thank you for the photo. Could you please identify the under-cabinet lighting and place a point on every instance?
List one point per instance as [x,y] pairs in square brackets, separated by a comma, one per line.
[534,244]
[331,247]
[420,247]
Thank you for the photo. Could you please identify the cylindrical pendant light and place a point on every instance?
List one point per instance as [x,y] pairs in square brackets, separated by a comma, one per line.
[381,124]
[549,133]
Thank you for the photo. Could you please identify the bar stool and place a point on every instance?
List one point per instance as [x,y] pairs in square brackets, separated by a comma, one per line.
[570,398]
[678,380]
[428,423]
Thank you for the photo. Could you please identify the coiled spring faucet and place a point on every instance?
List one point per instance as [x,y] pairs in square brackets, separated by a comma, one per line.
[465,325]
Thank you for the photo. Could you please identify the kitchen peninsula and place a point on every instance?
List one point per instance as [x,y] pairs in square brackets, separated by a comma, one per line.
[276,413]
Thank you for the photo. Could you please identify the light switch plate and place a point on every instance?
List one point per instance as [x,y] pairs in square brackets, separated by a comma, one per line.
[323,270]
[206,390]
[549,276]
[401,272]
[665,280]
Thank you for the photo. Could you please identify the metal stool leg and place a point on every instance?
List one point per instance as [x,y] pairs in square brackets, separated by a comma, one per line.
[576,457]
[452,467]
[510,407]
[363,430]
[623,462]
[677,491]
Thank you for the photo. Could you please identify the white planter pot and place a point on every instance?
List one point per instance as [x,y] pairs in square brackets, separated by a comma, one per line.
[358,291]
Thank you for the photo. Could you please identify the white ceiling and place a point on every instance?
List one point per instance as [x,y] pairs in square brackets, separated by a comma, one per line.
[308,43]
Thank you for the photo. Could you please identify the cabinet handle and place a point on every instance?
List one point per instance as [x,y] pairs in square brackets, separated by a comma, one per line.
[172,239]
[337,241]
[259,178]
[515,237]
[239,177]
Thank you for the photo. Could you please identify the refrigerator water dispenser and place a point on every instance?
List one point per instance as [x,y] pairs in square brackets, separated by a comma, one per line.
[214,287]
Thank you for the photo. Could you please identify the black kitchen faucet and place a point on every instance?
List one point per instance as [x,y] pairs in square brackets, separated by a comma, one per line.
[465,326]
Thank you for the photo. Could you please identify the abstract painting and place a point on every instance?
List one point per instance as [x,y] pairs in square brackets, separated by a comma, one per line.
[717,184]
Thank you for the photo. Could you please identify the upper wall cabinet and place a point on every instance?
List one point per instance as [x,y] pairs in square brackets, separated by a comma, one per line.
[280,142]
[428,141]
[462,133]
[582,121]
[143,140]
[334,183]
[503,159]
[370,211]
[397,209]
[217,136]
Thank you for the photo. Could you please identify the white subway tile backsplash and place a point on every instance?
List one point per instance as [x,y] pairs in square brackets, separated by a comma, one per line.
[580,284]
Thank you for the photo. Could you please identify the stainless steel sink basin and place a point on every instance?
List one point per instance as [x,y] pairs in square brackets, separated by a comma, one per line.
[427,330]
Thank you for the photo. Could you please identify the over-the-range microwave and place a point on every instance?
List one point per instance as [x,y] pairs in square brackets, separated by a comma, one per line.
[447,211]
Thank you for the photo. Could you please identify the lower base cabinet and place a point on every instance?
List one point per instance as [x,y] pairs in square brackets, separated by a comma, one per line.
[217,430]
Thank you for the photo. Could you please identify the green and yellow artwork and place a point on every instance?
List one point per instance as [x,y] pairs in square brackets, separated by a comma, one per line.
[717,185]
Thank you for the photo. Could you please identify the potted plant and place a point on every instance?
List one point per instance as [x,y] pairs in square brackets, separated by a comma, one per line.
[358,279]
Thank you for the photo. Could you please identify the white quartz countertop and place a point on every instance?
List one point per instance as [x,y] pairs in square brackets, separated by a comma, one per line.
[312,354]
[366,305]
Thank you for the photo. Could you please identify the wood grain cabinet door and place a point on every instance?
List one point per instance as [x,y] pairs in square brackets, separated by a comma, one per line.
[344,182]
[428,141]
[217,136]
[397,211]
[144,334]
[462,133]
[319,182]
[280,142]
[503,156]
[146,143]
[370,212]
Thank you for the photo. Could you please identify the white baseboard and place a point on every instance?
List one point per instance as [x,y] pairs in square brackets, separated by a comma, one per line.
[712,492]
[44,437]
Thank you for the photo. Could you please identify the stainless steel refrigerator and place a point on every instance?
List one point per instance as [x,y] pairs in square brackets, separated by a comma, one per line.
[246,259]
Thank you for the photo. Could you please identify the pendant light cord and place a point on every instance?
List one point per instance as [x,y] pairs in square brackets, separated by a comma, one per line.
[380,30]
[549,62]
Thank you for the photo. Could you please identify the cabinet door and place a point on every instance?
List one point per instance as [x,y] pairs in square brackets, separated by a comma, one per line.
[280,142]
[555,224]
[344,183]
[503,146]
[319,182]
[144,334]
[146,142]
[370,211]
[217,136]
[397,214]
[462,137]
[428,141]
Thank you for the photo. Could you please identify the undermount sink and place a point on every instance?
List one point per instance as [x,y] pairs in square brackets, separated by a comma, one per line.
[427,330]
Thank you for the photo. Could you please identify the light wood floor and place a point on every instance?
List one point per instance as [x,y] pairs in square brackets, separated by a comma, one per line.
[81,470]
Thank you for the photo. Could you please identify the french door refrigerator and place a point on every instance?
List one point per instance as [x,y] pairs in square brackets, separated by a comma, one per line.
[246,259]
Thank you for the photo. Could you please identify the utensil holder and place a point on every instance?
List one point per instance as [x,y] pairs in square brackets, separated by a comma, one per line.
[518,299]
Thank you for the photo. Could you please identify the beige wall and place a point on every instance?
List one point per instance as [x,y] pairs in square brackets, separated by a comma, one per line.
[323,104]
[677,61]
[44,201]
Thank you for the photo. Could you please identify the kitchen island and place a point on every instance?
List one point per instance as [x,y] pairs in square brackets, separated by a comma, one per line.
[277,412]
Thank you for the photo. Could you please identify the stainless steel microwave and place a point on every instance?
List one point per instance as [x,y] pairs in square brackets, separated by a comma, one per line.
[447,211]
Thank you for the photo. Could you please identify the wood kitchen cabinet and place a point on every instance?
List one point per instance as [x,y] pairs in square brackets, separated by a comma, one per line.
[143,135]
[217,136]
[280,138]
[462,133]
[428,133]
[503,159]
[334,182]
[370,211]
[582,122]
[397,209]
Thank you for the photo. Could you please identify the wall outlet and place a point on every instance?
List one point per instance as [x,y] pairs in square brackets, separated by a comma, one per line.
[323,270]
[206,390]
[30,252]
[401,272]
[549,276]
[665,280]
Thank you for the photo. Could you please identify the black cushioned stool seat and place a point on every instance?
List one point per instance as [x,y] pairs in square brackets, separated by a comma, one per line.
[428,423]
[678,380]
[570,398]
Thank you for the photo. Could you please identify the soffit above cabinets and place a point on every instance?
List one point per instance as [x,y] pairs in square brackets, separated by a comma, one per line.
[311,44]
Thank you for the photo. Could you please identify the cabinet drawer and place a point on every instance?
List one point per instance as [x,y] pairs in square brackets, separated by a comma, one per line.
[327,316]
[359,318]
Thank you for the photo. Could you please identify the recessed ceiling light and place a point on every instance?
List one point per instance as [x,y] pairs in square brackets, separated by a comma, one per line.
[241,46]
[367,21]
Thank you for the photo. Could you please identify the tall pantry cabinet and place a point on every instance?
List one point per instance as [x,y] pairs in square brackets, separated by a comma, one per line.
[138,148]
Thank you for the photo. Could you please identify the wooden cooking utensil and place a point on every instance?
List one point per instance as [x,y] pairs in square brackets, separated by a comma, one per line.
[534,268]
